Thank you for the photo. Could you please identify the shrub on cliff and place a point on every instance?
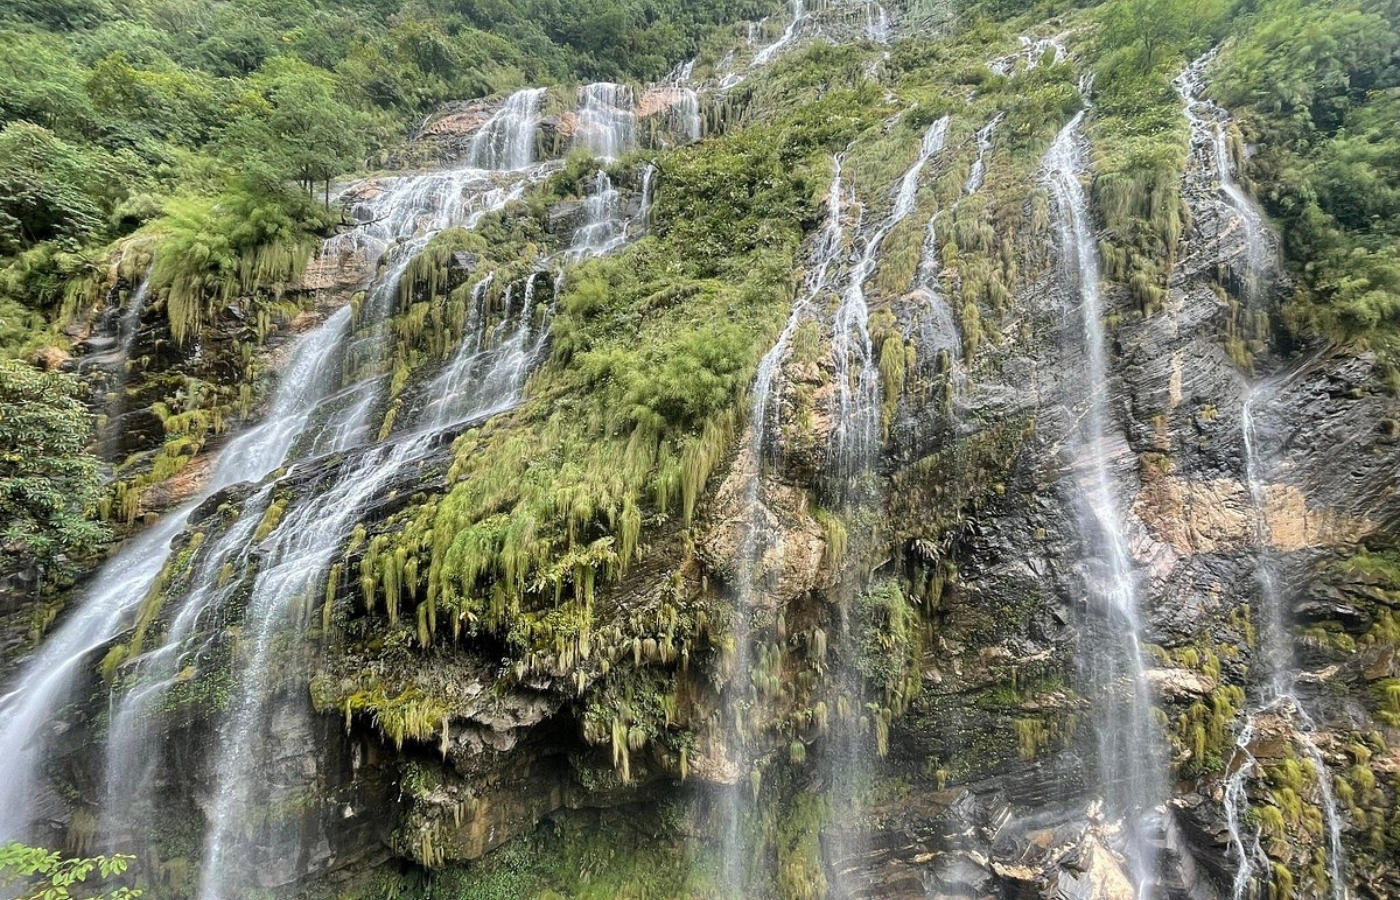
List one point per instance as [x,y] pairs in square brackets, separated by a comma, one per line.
[48,480]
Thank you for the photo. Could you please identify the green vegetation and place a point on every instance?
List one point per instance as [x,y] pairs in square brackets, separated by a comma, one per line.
[196,121]
[609,856]
[1140,136]
[43,875]
[1317,86]
[653,351]
[48,480]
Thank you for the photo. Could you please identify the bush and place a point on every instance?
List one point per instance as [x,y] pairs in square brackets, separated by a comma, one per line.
[48,481]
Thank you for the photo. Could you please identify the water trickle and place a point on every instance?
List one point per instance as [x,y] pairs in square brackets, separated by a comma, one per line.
[1030,55]
[648,184]
[978,174]
[607,120]
[507,141]
[877,23]
[604,227]
[856,435]
[1278,696]
[128,325]
[794,28]
[1130,753]
[757,541]
[1210,147]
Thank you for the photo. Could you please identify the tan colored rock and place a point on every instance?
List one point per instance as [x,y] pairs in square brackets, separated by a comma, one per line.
[460,122]
[180,487]
[795,544]
[1296,524]
[657,100]
[1195,516]
[49,358]
[1217,516]
[711,764]
[1176,685]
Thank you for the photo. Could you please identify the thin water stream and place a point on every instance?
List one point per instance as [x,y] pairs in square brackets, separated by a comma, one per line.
[1131,761]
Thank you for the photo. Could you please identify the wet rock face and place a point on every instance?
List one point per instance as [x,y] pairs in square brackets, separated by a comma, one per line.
[975,501]
[1012,622]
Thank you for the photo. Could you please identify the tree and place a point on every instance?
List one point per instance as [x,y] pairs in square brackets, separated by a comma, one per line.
[322,136]
[48,481]
[1158,30]
[48,188]
[44,875]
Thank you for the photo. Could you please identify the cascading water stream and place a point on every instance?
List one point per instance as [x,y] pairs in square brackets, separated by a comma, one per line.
[1211,156]
[1210,141]
[607,120]
[506,143]
[487,373]
[603,225]
[794,27]
[757,541]
[856,435]
[128,326]
[648,196]
[1130,757]
[44,685]
[1278,697]
[686,100]
[978,174]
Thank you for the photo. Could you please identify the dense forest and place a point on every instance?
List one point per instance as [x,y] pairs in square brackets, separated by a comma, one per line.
[858,397]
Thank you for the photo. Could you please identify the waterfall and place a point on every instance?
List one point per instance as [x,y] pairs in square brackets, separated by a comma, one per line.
[128,325]
[648,185]
[1211,157]
[486,376]
[766,54]
[319,408]
[1130,758]
[132,747]
[877,23]
[978,174]
[857,433]
[46,682]
[757,541]
[488,371]
[688,110]
[507,141]
[607,120]
[603,225]
[296,556]
[1279,698]
[1210,139]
